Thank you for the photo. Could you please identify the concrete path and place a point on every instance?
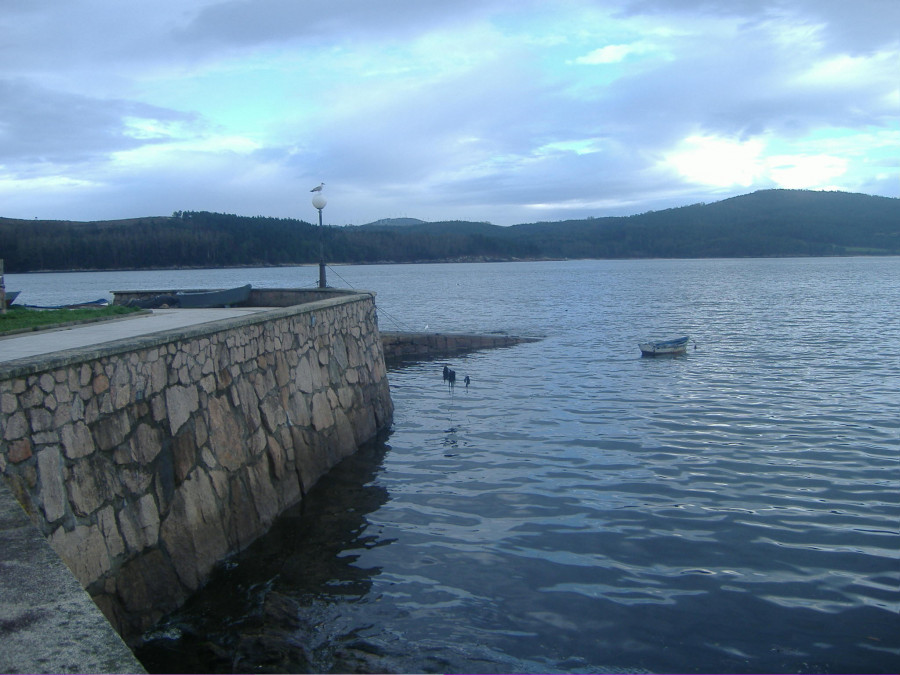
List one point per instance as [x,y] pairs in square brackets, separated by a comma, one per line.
[25,345]
[48,622]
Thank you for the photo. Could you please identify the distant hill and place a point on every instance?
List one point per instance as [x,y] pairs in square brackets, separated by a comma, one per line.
[764,223]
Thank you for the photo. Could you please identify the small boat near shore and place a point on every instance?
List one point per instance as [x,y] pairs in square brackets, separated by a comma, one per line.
[221,298]
[11,297]
[664,347]
[89,304]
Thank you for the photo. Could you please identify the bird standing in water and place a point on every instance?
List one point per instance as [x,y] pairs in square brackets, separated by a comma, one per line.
[449,376]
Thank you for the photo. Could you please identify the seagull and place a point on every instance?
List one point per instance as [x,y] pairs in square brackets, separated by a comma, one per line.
[318,188]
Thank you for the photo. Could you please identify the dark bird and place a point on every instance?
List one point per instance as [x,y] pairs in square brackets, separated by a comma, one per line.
[318,188]
[446,373]
[451,378]
[467,381]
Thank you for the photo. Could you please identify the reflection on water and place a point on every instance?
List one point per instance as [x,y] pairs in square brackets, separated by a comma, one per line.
[277,606]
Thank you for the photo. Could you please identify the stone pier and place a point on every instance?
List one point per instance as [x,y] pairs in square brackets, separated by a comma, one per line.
[146,461]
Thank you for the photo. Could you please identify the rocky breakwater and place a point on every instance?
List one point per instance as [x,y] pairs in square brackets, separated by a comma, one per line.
[146,463]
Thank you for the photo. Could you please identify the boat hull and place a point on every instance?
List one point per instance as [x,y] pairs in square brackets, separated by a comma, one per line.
[665,347]
[11,297]
[206,299]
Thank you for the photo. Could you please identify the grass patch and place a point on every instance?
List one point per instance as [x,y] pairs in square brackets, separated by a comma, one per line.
[18,319]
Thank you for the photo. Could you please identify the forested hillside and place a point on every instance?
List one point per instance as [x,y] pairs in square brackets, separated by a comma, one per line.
[765,223]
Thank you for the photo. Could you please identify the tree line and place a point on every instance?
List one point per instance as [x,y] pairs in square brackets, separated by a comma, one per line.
[764,223]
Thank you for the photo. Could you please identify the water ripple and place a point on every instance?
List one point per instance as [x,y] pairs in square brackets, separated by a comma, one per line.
[580,508]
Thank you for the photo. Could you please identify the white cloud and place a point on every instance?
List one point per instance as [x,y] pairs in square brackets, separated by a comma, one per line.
[805,171]
[718,162]
[611,54]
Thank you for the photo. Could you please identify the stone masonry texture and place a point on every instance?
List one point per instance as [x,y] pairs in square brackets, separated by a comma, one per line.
[146,464]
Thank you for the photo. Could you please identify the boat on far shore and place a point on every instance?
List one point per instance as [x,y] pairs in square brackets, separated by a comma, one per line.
[664,347]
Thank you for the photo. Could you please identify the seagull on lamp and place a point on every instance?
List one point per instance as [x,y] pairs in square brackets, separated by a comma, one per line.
[318,188]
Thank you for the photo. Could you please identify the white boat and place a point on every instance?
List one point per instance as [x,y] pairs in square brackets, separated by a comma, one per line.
[676,346]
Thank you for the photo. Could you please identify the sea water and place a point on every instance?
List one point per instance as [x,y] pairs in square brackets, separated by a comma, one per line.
[579,508]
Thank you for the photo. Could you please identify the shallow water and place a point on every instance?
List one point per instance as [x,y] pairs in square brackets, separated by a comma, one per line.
[579,508]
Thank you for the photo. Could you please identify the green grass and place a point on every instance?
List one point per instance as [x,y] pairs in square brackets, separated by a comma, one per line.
[19,319]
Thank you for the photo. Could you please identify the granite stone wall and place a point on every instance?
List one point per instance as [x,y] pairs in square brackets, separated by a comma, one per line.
[146,463]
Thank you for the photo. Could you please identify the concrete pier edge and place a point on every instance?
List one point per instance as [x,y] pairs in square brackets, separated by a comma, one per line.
[48,622]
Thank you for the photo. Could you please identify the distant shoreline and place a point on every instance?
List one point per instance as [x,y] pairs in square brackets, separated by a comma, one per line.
[454,261]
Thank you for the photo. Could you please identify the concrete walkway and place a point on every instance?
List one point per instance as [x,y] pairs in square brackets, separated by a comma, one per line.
[48,622]
[25,345]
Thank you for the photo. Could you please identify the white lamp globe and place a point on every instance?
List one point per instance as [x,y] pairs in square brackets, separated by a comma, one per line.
[319,201]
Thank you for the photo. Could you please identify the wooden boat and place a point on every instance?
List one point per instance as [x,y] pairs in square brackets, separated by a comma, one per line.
[664,347]
[205,299]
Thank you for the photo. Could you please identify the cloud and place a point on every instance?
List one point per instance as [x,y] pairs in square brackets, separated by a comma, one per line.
[613,54]
[488,110]
[45,126]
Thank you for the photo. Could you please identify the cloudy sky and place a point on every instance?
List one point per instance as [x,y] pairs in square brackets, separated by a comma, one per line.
[501,110]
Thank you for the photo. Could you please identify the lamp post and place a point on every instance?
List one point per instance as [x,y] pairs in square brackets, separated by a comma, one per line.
[319,202]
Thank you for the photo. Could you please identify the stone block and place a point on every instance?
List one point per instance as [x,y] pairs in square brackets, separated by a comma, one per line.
[201,431]
[226,438]
[282,374]
[52,488]
[265,497]
[100,384]
[8,404]
[19,450]
[305,376]
[41,419]
[84,551]
[277,457]
[50,402]
[322,417]
[273,414]
[110,431]
[139,523]
[135,479]
[77,440]
[181,402]
[47,383]
[184,454]
[106,521]
[63,393]
[121,395]
[16,427]
[243,521]
[193,532]
[146,443]
[32,398]
[91,483]
[158,376]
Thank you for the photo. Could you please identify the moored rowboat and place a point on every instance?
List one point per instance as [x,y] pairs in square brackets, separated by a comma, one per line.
[222,298]
[676,346]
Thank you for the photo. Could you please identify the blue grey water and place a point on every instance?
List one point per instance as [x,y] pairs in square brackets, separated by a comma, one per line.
[579,508]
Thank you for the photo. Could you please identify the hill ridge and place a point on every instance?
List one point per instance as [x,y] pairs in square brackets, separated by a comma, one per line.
[769,222]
